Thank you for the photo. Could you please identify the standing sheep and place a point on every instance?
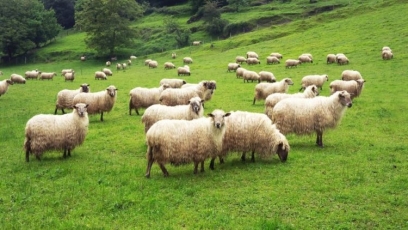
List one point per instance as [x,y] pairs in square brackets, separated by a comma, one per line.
[240,72]
[18,79]
[348,75]
[146,63]
[4,84]
[289,63]
[64,71]
[49,76]
[83,58]
[65,97]
[233,67]
[263,90]
[172,97]
[185,70]
[275,54]
[272,60]
[119,66]
[305,58]
[252,54]
[387,55]
[70,76]
[100,75]
[252,61]
[211,85]
[33,74]
[107,71]
[307,115]
[169,65]
[108,63]
[133,57]
[153,64]
[173,82]
[267,76]
[251,75]
[197,43]
[331,58]
[182,142]
[145,97]
[173,55]
[56,132]
[98,102]
[317,80]
[187,60]
[193,110]
[240,59]
[353,87]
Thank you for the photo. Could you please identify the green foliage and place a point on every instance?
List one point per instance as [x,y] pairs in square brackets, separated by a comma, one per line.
[214,25]
[182,36]
[237,4]
[237,28]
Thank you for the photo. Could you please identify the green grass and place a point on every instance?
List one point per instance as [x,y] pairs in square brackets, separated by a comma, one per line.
[357,181]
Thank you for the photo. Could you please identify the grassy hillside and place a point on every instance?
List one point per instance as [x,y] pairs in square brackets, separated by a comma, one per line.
[357,181]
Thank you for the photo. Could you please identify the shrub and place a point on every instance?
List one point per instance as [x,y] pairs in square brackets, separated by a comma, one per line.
[237,28]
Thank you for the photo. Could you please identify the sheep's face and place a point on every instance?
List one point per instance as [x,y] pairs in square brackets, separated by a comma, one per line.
[288,81]
[81,109]
[196,104]
[283,151]
[10,82]
[218,118]
[111,91]
[345,98]
[85,88]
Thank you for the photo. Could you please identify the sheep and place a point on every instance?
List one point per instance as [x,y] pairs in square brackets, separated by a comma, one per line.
[197,43]
[83,58]
[272,60]
[240,59]
[64,71]
[252,61]
[342,60]
[185,70]
[353,87]
[387,55]
[107,71]
[119,66]
[251,75]
[331,58]
[108,63]
[173,82]
[100,75]
[306,115]
[270,101]
[267,76]
[4,84]
[129,62]
[184,141]
[124,66]
[211,85]
[307,54]
[16,78]
[145,97]
[181,96]
[275,54]
[173,55]
[65,97]
[263,90]
[169,65]
[240,72]
[317,80]
[187,60]
[348,75]
[146,63]
[193,110]
[252,54]
[305,58]
[99,102]
[69,76]
[289,63]
[153,64]
[386,48]
[46,132]
[49,76]
[247,131]
[33,74]
[132,57]
[233,66]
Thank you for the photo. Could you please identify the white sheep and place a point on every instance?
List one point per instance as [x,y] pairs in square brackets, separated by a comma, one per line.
[193,110]
[212,85]
[4,84]
[197,43]
[386,48]
[146,63]
[119,66]
[64,71]
[305,58]
[173,82]
[33,74]
[65,97]
[182,142]
[45,132]
[153,64]
[247,131]
[317,80]
[173,55]
[184,70]
[272,60]
[252,61]
[387,55]
[267,76]
[107,71]
[353,87]
[133,57]
[331,58]
[83,58]
[169,65]
[172,97]
[233,66]
[307,115]
[124,66]
[348,75]
[49,76]
[275,54]
[240,59]
[252,76]
[342,59]
[100,75]
[16,78]
[240,72]
[252,54]
[108,63]
[70,76]
[99,102]
[263,90]
[270,101]
[289,63]
[144,97]
[187,60]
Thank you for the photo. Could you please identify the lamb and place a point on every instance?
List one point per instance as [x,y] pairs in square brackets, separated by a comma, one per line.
[263,90]
[387,55]
[119,66]
[240,72]
[65,97]
[49,76]
[251,75]
[153,64]
[193,110]
[169,65]
[172,97]
[108,63]
[124,66]
[197,43]
[331,58]
[252,54]
[307,115]
[240,59]
[46,132]
[173,82]
[147,61]
[185,70]
[348,75]
[100,75]
[272,60]
[173,55]
[99,102]
[275,54]
[305,58]
[4,84]
[289,63]
[16,78]
[33,74]
[145,97]
[233,66]
[107,71]
[166,141]
[270,101]
[353,87]
[247,131]
[64,71]
[69,76]
[252,61]
[317,80]
[267,76]
[187,60]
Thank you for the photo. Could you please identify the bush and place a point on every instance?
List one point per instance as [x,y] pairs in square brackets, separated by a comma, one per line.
[237,28]
[216,26]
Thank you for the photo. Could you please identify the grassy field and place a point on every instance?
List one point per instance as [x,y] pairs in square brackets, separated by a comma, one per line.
[357,181]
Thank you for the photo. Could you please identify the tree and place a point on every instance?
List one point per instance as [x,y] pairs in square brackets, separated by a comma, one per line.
[212,18]
[237,4]
[107,23]
[64,11]
[182,36]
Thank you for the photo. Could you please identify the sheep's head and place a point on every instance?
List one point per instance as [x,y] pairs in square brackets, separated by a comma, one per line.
[345,98]
[111,90]
[10,82]
[196,104]
[81,109]
[283,150]
[327,77]
[218,118]
[85,88]
[288,81]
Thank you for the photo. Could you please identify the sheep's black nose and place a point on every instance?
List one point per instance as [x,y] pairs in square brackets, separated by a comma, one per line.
[349,105]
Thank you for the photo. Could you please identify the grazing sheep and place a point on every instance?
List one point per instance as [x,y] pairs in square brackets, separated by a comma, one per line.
[272,60]
[307,54]
[317,80]
[173,82]
[172,97]
[246,131]
[83,58]
[193,110]
[69,76]
[4,84]
[307,115]
[46,132]
[278,55]
[252,54]
[240,59]
[348,75]
[129,62]
[252,76]
[100,75]
[18,79]
[240,72]
[386,48]
[65,97]
[132,57]
[146,63]
[263,90]
[187,60]
[124,66]
[145,97]
[267,76]
[64,71]
[182,142]
[107,71]
[173,55]
[98,102]
[331,58]
[119,66]
[233,66]
[387,55]
[153,64]
[169,65]
[289,63]
[342,60]
[33,74]
[49,76]
[252,61]
[197,43]
[185,70]
[353,87]
[270,101]
[108,63]
[305,58]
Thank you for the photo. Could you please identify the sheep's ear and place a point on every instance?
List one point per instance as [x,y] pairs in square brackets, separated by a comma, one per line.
[202,101]
[227,114]
[86,105]
[74,107]
[210,115]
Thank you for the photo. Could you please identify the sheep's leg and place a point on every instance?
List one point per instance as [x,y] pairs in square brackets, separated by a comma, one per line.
[319,138]
[221,160]
[164,170]
[254,101]
[149,161]
[38,157]
[69,152]
[56,109]
[212,163]
[130,107]
[253,156]
[65,153]
[137,111]
[196,167]
[243,156]
[202,166]
[27,155]
[101,116]
[63,112]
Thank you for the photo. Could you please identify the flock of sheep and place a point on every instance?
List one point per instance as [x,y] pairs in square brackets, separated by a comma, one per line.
[177,131]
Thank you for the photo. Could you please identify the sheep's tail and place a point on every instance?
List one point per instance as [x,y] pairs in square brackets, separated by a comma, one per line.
[27,148]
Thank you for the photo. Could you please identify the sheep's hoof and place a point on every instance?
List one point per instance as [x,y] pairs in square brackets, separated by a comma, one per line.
[147,175]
